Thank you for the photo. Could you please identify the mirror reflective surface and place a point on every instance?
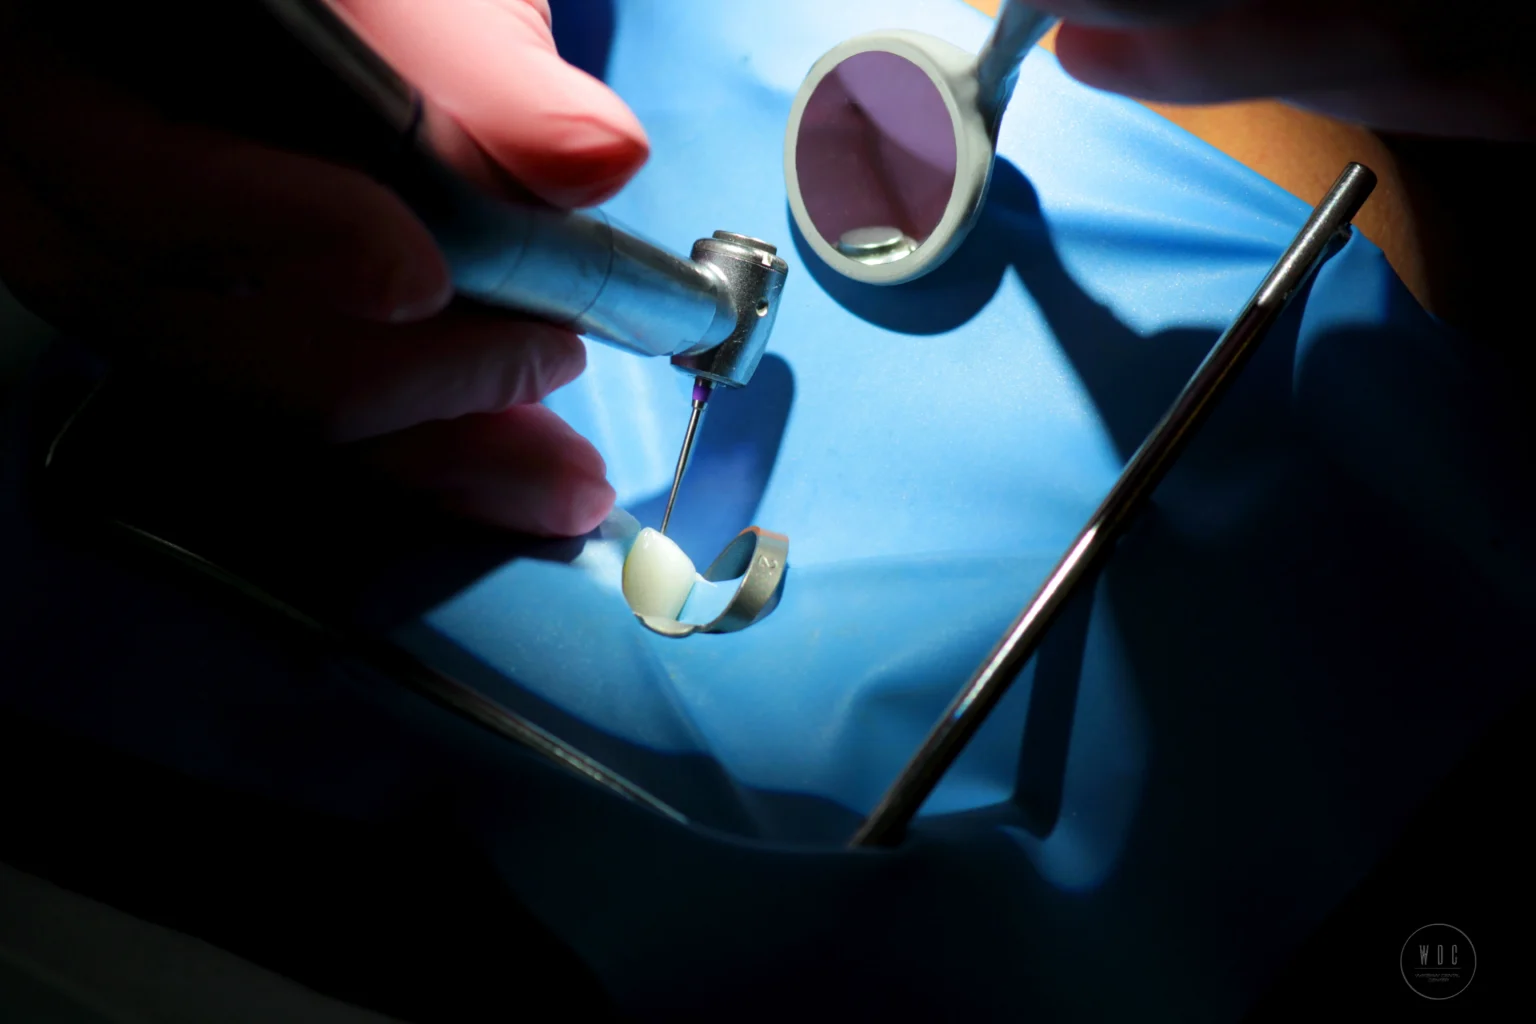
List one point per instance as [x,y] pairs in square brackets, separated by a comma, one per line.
[875,157]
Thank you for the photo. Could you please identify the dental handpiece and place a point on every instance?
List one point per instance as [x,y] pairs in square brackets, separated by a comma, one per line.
[711,312]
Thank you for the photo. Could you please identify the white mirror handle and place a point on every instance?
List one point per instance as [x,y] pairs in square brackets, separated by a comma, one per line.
[1018,28]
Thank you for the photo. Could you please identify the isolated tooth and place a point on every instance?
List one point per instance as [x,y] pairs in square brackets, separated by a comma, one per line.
[657,576]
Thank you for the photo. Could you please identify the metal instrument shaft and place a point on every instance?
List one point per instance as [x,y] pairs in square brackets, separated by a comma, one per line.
[1327,226]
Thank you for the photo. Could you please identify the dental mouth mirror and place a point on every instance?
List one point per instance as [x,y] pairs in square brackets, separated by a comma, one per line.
[891,141]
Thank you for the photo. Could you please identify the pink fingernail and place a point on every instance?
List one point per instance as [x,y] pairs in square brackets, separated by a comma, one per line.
[584,165]
[418,291]
[592,506]
[411,310]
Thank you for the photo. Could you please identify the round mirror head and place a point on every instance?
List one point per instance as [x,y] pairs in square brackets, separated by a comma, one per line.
[875,158]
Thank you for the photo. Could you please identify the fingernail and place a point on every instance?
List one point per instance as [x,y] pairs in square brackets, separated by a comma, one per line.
[401,290]
[568,364]
[409,310]
[591,506]
[585,164]
[418,289]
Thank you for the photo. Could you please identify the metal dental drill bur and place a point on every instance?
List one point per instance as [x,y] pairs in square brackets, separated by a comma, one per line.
[702,388]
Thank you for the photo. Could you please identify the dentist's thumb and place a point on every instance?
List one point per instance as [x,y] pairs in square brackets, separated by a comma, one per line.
[491,65]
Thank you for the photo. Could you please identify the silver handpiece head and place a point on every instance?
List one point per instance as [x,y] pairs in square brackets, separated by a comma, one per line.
[711,314]
[751,276]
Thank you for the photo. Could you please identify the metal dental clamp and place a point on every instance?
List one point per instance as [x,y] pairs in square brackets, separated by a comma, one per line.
[759,557]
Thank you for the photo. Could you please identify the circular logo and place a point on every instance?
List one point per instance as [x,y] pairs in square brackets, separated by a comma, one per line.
[1438,961]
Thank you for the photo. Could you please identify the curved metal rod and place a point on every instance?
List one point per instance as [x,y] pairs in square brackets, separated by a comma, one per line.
[388,659]
[1327,226]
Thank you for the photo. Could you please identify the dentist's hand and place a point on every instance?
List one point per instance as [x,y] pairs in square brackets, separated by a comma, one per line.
[1394,65]
[302,289]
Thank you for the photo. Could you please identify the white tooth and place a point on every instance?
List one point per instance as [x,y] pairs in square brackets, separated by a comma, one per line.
[657,576]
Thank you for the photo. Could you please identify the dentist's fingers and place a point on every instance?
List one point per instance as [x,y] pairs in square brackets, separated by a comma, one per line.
[338,379]
[179,204]
[45,263]
[1258,49]
[523,469]
[1391,64]
[1131,12]
[492,66]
